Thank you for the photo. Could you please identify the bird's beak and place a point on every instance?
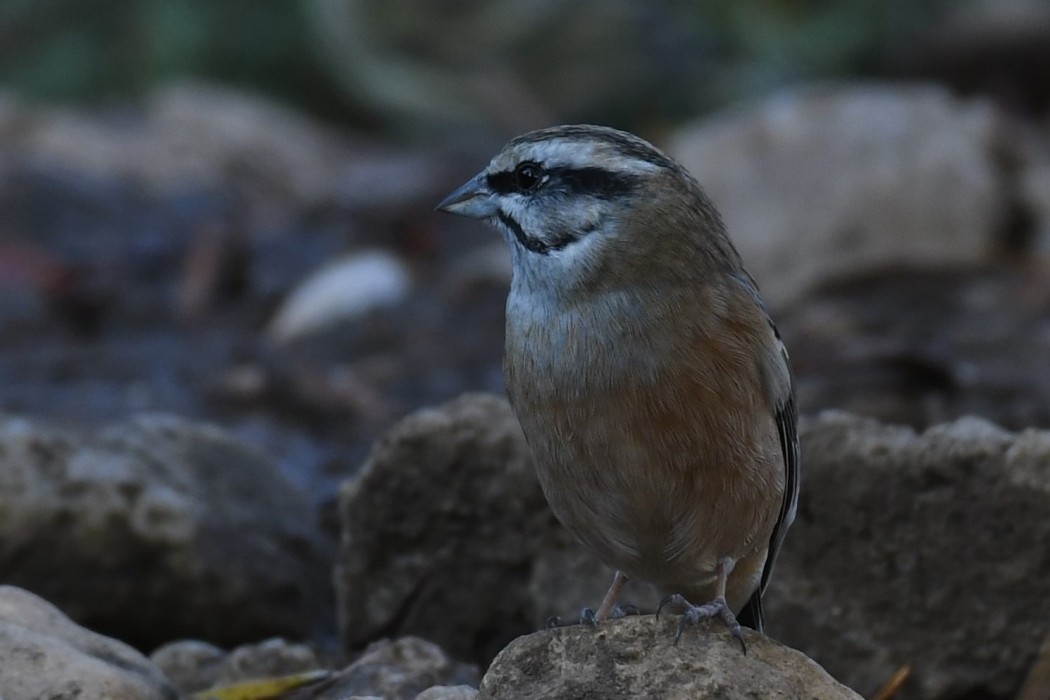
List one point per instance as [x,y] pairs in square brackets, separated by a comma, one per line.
[474,199]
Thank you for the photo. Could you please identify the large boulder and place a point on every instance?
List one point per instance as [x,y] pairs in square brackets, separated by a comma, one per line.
[824,182]
[159,529]
[446,535]
[440,529]
[922,548]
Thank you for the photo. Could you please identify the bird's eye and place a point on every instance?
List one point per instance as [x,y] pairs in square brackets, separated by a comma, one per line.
[528,176]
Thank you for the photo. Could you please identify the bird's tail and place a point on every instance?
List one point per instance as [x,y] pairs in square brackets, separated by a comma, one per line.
[751,614]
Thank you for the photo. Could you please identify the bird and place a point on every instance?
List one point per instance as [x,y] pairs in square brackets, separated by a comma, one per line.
[653,389]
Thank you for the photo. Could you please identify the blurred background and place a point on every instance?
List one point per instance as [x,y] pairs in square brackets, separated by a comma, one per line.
[224,211]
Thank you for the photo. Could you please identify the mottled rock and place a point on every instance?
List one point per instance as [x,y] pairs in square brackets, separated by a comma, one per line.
[449,692]
[446,535]
[193,665]
[636,658]
[273,657]
[921,548]
[194,133]
[398,670]
[159,529]
[44,654]
[821,183]
[190,665]
[440,529]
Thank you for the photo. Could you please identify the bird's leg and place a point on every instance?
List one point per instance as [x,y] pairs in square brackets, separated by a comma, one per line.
[717,607]
[609,606]
[608,609]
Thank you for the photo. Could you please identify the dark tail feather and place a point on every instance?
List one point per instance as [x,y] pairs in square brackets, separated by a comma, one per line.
[751,614]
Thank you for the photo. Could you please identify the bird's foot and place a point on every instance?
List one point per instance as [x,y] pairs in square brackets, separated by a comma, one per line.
[590,618]
[624,610]
[692,614]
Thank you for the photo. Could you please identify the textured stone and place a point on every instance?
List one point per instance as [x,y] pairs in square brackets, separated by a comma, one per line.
[189,664]
[636,658]
[160,529]
[449,692]
[398,669]
[440,529]
[821,183]
[44,654]
[928,549]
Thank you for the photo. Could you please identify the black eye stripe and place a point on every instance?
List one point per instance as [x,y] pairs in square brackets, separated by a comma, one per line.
[502,182]
[594,182]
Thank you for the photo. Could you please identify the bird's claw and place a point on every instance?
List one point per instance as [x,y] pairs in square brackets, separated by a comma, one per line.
[590,618]
[693,614]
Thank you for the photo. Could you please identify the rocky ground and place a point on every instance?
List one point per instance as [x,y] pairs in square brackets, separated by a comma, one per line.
[217,314]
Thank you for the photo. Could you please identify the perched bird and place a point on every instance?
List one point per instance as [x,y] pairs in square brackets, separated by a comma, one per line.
[652,387]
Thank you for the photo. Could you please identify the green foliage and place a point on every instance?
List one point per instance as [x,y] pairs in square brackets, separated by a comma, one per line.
[90,49]
[762,44]
[84,50]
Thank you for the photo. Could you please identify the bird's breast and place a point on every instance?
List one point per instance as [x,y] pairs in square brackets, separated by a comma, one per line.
[647,434]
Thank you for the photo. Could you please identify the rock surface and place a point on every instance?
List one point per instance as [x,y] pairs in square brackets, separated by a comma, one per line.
[44,654]
[821,183]
[193,665]
[928,549]
[446,535]
[439,531]
[158,529]
[399,669]
[448,692]
[871,576]
[636,658]
[189,664]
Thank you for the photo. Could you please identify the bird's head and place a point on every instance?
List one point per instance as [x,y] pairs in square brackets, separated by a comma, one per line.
[577,201]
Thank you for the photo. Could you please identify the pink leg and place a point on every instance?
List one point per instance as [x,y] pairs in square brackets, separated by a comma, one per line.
[611,597]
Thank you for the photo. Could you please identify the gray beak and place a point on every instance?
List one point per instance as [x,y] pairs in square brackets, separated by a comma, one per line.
[474,199]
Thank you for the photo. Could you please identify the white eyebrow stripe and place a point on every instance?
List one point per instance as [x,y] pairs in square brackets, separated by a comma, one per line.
[560,153]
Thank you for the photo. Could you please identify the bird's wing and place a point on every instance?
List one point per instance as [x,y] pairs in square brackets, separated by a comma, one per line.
[776,372]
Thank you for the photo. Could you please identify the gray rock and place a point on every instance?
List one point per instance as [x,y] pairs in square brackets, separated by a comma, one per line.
[636,658]
[44,654]
[273,657]
[440,529]
[928,548]
[821,183]
[160,529]
[193,666]
[908,548]
[189,664]
[449,692]
[446,535]
[398,669]
[197,133]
